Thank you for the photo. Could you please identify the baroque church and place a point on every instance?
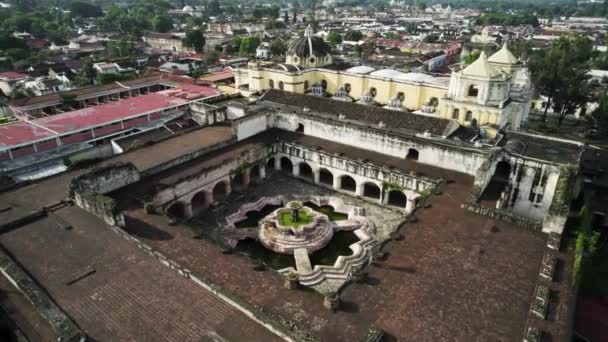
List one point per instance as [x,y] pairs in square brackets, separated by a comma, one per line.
[493,92]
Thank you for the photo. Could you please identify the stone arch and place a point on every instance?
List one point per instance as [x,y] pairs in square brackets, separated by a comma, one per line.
[371,190]
[373,91]
[498,182]
[347,88]
[255,173]
[286,165]
[220,191]
[306,171]
[271,84]
[199,202]
[433,101]
[326,177]
[324,84]
[305,85]
[238,181]
[468,116]
[348,183]
[397,198]
[473,90]
[412,154]
[300,128]
[401,96]
[456,114]
[177,210]
[281,86]
[270,164]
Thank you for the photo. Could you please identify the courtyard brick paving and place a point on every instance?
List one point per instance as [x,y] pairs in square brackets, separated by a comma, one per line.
[452,276]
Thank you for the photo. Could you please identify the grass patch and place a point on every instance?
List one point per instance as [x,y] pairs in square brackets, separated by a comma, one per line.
[327,210]
[303,219]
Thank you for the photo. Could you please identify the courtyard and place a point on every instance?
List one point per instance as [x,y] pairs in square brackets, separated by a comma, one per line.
[449,275]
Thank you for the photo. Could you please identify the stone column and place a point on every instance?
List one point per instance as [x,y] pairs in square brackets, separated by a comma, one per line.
[296,170]
[228,187]
[316,176]
[262,171]
[246,178]
[188,209]
[277,163]
[337,182]
[384,197]
[359,189]
[410,205]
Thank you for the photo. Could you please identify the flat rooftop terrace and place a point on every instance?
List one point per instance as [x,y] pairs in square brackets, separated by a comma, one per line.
[120,293]
[23,132]
[56,188]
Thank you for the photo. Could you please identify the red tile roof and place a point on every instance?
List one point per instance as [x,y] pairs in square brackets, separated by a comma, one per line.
[24,132]
[12,75]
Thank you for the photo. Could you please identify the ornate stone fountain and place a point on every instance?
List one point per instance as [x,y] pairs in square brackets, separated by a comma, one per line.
[293,227]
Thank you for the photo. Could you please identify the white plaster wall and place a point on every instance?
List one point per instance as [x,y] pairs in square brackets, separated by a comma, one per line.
[250,126]
[447,158]
[534,211]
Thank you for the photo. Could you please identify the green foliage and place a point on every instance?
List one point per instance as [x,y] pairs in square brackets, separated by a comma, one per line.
[600,115]
[213,8]
[334,38]
[431,38]
[85,10]
[119,48]
[304,218]
[277,47]
[471,57]
[195,39]
[353,36]
[162,23]
[111,78]
[392,35]
[273,25]
[501,18]
[17,54]
[248,45]
[260,12]
[560,74]
[586,241]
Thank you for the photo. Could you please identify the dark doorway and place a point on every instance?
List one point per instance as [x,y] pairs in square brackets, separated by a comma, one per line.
[412,154]
[306,171]
[348,183]
[286,165]
[397,198]
[254,173]
[199,203]
[220,191]
[326,177]
[177,210]
[300,128]
[371,190]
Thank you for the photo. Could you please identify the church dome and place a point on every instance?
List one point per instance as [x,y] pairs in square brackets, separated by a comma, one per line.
[306,47]
[308,51]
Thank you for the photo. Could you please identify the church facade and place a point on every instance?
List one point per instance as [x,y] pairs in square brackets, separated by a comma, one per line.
[494,92]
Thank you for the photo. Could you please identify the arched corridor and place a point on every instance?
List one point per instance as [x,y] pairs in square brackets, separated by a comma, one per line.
[306,171]
[348,183]
[238,182]
[397,198]
[286,165]
[254,173]
[270,165]
[199,202]
[412,154]
[326,177]
[220,191]
[371,190]
[177,210]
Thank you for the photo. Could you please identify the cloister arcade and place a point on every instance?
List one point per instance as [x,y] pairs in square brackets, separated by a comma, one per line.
[325,176]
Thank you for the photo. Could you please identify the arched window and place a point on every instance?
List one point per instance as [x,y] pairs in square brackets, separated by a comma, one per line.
[412,154]
[305,85]
[456,114]
[281,85]
[473,91]
[433,101]
[271,84]
[300,128]
[469,116]
[401,96]
[347,88]
[324,84]
[373,91]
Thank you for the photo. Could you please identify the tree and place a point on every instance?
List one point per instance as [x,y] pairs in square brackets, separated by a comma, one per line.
[195,39]
[248,45]
[565,62]
[277,47]
[334,38]
[471,57]
[353,36]
[213,8]
[212,57]
[286,18]
[600,115]
[85,10]
[162,23]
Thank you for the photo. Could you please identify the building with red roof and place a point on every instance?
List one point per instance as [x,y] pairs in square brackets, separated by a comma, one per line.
[9,79]
[27,137]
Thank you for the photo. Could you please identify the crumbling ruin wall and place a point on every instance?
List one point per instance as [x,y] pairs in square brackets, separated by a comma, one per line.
[566,190]
[105,179]
[101,206]
[59,321]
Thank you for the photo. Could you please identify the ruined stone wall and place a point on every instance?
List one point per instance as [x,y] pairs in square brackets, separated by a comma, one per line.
[251,125]
[101,206]
[105,179]
[456,158]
